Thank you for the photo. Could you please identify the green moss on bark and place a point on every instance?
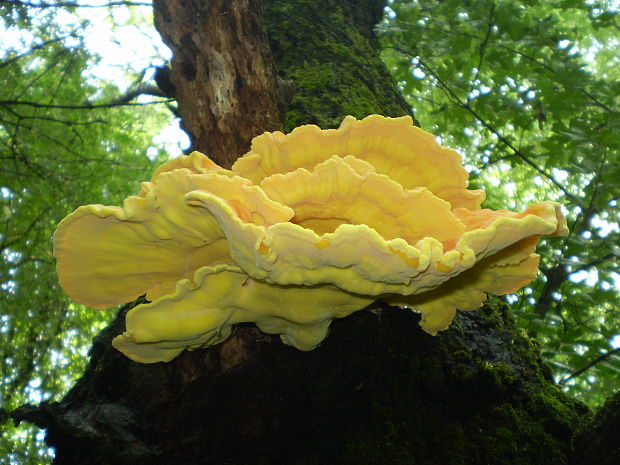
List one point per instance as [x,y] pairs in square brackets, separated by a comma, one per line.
[598,442]
[453,400]
[337,72]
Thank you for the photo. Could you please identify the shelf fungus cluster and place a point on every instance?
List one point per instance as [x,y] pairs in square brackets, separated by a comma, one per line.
[305,228]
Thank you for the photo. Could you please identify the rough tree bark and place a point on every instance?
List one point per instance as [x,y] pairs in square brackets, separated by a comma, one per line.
[223,72]
[378,390]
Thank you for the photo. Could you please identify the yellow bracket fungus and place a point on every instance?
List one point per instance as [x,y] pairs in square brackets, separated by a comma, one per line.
[304,228]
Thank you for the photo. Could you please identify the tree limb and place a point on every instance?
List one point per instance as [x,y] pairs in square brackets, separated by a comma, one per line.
[37,47]
[72,4]
[589,365]
[483,46]
[87,106]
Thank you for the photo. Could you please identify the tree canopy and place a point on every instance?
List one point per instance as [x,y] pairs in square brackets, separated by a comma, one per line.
[66,138]
[527,91]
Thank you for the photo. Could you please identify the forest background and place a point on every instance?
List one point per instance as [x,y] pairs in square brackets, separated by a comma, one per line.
[527,91]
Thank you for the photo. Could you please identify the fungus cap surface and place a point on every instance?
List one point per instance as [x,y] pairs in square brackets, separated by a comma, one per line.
[304,228]
[202,312]
[393,146]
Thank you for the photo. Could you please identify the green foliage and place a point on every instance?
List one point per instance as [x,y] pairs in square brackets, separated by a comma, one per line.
[58,150]
[528,92]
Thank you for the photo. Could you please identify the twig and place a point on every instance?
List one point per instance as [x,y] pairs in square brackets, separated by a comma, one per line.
[73,4]
[63,121]
[37,47]
[88,106]
[589,365]
[483,46]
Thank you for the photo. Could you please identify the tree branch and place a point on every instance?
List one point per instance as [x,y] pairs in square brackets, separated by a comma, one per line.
[589,365]
[593,263]
[37,47]
[142,89]
[557,275]
[482,47]
[87,106]
[72,4]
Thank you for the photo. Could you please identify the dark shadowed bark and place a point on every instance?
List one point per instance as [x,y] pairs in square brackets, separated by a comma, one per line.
[378,390]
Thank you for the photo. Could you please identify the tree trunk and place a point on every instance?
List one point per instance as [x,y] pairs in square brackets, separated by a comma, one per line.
[378,390]
[223,73]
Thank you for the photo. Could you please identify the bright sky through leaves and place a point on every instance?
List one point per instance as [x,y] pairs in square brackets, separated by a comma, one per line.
[125,43]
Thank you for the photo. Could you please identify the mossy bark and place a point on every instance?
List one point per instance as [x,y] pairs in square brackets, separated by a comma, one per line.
[378,390]
[328,50]
[599,442]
